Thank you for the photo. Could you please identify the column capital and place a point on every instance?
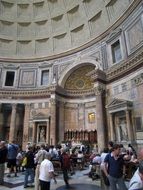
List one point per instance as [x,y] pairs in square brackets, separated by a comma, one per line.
[27,105]
[14,105]
[53,101]
[99,89]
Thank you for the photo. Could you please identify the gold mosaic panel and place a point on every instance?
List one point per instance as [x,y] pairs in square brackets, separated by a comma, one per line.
[78,79]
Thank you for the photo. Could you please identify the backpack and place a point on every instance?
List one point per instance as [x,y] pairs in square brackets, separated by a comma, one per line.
[65,161]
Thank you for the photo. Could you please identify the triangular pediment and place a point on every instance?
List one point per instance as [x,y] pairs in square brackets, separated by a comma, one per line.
[119,104]
[116,102]
[114,34]
[40,115]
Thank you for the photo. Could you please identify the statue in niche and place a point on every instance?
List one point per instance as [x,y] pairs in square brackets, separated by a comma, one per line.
[42,134]
[123,132]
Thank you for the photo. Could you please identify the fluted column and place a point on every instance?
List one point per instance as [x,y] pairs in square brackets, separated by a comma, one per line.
[129,127]
[12,123]
[26,126]
[112,133]
[53,121]
[100,118]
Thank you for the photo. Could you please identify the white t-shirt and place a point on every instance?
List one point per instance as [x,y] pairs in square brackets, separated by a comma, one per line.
[46,167]
[96,159]
[103,155]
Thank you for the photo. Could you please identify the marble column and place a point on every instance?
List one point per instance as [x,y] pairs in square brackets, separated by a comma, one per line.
[53,121]
[12,123]
[61,121]
[26,126]
[129,126]
[1,123]
[48,132]
[100,119]
[112,132]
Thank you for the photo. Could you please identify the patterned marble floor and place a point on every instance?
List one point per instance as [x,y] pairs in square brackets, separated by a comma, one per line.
[78,181]
[79,177]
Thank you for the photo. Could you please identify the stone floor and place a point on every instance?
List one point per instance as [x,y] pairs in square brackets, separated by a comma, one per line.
[78,181]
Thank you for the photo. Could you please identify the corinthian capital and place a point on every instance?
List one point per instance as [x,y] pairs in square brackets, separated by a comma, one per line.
[99,90]
[52,101]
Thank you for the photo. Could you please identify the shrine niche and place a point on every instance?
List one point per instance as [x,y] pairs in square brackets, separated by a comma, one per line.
[121,124]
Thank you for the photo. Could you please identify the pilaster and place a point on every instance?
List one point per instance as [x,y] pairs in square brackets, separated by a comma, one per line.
[34,133]
[48,132]
[129,126]
[112,132]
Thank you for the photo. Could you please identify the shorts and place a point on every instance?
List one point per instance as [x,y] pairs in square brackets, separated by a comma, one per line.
[11,162]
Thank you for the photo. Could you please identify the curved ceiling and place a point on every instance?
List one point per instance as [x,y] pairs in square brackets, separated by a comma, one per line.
[42,28]
[79,80]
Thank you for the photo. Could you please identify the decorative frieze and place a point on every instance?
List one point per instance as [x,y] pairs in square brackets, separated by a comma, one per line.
[126,66]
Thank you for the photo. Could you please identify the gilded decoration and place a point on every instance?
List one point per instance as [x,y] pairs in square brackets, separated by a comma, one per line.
[79,80]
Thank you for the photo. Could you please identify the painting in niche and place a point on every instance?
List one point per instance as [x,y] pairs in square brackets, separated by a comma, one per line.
[91,117]
[42,134]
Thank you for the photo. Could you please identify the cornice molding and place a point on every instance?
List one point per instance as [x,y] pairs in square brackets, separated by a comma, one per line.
[26,94]
[76,93]
[133,62]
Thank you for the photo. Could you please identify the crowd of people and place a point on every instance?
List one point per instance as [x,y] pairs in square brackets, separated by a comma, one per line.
[38,162]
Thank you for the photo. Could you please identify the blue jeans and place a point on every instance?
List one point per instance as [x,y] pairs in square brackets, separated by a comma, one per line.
[117,181]
[29,172]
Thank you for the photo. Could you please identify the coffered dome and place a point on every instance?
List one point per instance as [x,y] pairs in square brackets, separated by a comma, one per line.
[43,28]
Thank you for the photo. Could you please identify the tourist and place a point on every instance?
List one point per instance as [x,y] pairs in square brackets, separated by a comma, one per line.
[113,168]
[3,157]
[46,172]
[65,165]
[29,166]
[104,180]
[11,158]
[39,157]
[136,181]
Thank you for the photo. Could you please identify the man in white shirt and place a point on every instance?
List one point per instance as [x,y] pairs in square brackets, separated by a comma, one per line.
[46,173]
[40,156]
[136,182]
